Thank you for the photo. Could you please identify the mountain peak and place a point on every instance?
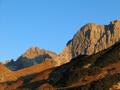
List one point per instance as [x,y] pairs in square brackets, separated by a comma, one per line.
[32,56]
[33,52]
[91,26]
[34,48]
[92,38]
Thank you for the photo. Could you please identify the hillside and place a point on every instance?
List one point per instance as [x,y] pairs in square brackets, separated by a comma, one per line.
[82,73]
[6,75]
[83,70]
[35,69]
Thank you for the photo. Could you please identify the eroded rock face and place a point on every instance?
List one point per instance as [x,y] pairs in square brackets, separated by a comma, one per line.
[91,39]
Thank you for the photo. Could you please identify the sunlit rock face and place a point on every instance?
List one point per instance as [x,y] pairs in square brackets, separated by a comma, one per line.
[92,38]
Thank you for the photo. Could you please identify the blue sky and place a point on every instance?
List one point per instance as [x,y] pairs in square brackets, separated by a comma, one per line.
[48,24]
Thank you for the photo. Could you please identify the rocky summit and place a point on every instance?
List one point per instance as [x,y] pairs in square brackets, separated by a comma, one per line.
[34,52]
[92,38]
[31,57]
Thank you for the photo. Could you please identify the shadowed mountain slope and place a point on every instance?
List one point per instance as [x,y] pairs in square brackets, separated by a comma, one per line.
[80,68]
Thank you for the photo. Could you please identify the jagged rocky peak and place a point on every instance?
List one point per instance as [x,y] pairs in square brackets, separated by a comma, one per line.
[32,56]
[92,38]
[34,52]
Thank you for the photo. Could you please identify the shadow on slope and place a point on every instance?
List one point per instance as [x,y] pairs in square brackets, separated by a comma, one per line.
[82,66]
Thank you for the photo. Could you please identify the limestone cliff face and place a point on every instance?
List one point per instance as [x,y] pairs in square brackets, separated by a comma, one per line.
[91,39]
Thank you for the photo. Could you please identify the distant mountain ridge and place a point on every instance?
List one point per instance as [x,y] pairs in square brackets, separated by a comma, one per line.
[31,57]
[34,52]
[90,39]
[90,61]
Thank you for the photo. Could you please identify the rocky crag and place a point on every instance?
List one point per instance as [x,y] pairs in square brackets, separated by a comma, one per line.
[90,39]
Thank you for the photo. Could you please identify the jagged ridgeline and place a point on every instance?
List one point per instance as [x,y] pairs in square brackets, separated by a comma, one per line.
[90,61]
[92,38]
[32,56]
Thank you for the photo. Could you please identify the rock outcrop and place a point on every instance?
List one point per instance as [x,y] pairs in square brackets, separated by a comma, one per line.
[92,38]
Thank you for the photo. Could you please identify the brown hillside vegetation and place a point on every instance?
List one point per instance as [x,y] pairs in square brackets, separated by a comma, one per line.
[6,74]
[35,69]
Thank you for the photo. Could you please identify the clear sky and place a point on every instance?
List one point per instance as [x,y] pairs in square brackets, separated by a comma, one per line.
[48,24]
